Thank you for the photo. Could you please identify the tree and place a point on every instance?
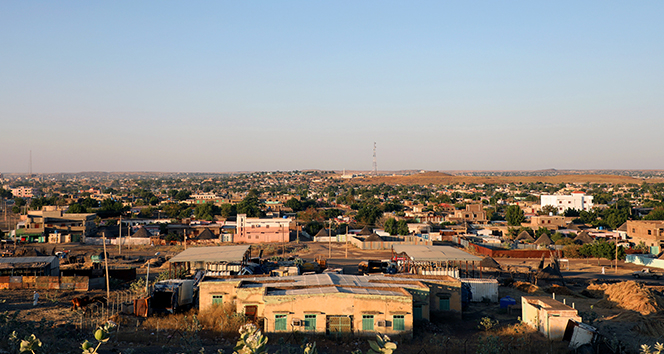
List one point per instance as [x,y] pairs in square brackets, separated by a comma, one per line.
[368,214]
[548,210]
[402,227]
[294,204]
[390,226]
[655,214]
[250,205]
[75,208]
[183,195]
[571,212]
[514,215]
[6,194]
[206,211]
[227,210]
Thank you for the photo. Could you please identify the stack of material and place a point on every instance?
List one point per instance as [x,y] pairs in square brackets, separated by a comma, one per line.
[631,295]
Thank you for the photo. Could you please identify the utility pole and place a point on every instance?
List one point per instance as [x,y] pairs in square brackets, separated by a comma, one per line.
[616,253]
[120,236]
[329,241]
[346,240]
[108,289]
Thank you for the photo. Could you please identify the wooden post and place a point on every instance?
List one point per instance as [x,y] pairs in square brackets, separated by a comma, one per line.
[108,289]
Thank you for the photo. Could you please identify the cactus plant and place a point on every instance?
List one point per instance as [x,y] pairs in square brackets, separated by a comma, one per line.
[382,345]
[251,341]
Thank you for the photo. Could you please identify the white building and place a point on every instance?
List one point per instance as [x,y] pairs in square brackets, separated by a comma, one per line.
[576,200]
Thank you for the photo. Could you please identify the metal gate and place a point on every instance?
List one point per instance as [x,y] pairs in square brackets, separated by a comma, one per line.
[337,324]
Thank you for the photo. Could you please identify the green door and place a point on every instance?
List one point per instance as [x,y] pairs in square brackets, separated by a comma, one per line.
[217,300]
[280,322]
[367,322]
[417,312]
[444,304]
[310,322]
[398,323]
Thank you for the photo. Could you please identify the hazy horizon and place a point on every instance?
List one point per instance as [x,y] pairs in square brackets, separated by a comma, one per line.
[294,85]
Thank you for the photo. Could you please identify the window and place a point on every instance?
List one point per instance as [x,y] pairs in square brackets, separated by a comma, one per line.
[649,232]
[217,299]
[309,322]
[398,323]
[367,322]
[280,322]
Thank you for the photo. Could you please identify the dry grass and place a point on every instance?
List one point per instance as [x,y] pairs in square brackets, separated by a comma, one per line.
[526,287]
[222,318]
[629,295]
[561,290]
[216,319]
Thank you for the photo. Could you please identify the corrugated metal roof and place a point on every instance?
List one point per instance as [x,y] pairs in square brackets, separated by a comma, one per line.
[231,254]
[435,253]
[333,290]
[19,260]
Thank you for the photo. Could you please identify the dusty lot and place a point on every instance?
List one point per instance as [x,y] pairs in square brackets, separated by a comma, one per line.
[55,323]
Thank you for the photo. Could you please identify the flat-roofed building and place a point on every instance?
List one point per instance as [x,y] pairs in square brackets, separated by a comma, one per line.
[335,303]
[547,315]
[576,200]
[650,232]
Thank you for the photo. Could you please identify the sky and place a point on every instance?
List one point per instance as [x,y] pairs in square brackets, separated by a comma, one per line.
[221,86]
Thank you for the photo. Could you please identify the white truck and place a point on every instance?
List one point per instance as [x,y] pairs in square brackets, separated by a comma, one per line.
[646,273]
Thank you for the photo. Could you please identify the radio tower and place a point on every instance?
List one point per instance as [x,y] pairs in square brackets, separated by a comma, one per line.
[375,166]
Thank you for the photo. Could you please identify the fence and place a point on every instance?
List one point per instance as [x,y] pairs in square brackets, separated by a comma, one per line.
[493,252]
[645,260]
[96,313]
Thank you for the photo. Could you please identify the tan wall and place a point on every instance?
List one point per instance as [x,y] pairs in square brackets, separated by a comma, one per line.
[552,222]
[323,305]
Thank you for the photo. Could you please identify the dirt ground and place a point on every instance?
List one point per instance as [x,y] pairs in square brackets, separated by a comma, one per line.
[55,323]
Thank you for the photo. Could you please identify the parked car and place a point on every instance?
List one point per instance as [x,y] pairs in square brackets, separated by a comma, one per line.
[646,273]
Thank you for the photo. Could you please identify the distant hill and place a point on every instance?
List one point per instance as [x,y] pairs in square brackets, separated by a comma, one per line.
[440,178]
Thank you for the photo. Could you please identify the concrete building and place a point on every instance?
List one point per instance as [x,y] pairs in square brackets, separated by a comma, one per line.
[335,303]
[260,230]
[474,214]
[547,315]
[25,192]
[650,232]
[44,222]
[576,200]
[554,222]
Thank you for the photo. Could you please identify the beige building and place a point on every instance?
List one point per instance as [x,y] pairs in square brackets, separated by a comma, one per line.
[332,303]
[45,222]
[650,232]
[474,213]
[547,315]
[554,222]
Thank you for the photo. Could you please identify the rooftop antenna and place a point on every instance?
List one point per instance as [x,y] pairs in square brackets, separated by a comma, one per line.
[375,166]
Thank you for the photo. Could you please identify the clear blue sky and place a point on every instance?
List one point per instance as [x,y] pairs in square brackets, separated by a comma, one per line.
[282,85]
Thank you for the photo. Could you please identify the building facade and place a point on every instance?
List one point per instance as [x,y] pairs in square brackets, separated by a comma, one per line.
[260,230]
[576,200]
[335,303]
[650,232]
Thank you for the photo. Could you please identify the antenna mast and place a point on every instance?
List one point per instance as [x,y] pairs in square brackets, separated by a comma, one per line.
[375,166]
